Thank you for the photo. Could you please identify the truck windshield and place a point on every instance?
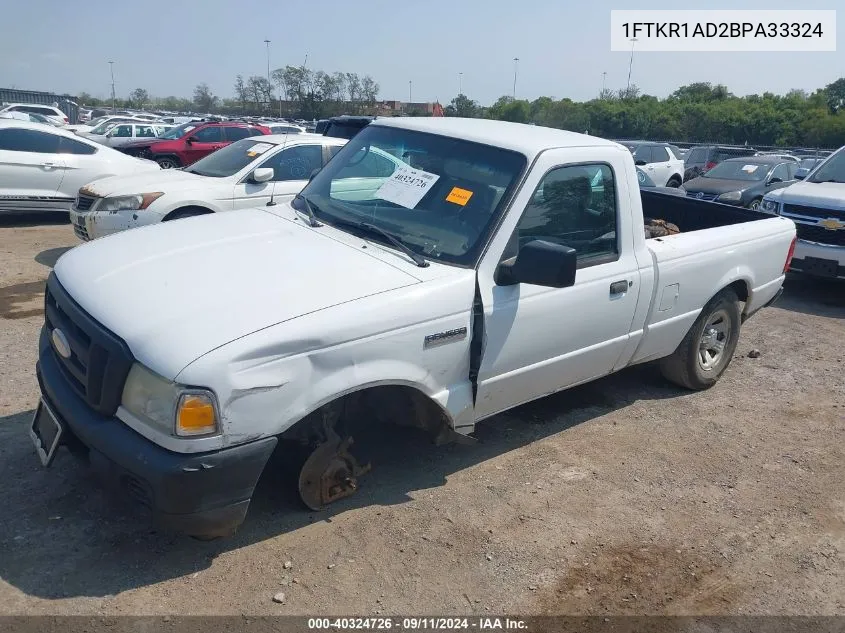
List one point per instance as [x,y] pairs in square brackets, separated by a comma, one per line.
[437,194]
[230,159]
[832,170]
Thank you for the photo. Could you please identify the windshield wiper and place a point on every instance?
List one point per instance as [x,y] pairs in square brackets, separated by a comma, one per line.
[312,219]
[398,243]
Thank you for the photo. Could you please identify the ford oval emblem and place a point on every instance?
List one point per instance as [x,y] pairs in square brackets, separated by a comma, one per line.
[60,343]
[699,195]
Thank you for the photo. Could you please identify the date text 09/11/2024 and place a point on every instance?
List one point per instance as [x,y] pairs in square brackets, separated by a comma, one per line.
[722,29]
[417,624]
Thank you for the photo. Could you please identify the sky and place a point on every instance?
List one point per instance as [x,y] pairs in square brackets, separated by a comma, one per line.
[563,46]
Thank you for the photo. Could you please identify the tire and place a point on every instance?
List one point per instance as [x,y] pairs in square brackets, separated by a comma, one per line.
[674,181]
[168,162]
[754,205]
[694,364]
[186,212]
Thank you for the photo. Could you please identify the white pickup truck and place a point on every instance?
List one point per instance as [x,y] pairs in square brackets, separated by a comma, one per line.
[496,264]
[817,206]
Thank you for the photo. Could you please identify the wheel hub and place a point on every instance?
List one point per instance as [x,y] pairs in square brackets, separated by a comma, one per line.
[330,473]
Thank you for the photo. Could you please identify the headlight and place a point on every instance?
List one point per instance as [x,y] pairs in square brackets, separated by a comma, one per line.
[769,206]
[168,406]
[731,196]
[129,203]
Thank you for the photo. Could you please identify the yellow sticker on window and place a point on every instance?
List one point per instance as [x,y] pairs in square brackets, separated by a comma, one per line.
[459,196]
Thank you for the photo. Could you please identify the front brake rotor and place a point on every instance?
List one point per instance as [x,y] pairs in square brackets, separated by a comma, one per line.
[330,473]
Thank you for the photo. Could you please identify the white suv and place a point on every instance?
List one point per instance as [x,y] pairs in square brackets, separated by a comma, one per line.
[35,108]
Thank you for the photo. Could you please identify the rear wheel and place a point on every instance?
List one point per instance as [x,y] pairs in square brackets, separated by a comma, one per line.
[707,349]
[674,181]
[754,205]
[168,162]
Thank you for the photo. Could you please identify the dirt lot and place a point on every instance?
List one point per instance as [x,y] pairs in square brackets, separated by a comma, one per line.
[624,496]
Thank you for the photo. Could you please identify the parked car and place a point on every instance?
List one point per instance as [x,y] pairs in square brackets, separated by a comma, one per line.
[805,166]
[658,159]
[346,126]
[284,128]
[37,108]
[101,125]
[247,173]
[817,206]
[780,155]
[31,118]
[122,133]
[704,157]
[482,274]
[187,143]
[742,181]
[42,168]
[647,183]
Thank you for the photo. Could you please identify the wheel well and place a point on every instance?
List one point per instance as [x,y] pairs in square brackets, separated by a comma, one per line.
[172,157]
[677,177]
[740,287]
[182,211]
[384,404]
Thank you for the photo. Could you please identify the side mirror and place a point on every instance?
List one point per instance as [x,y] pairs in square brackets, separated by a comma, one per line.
[773,180]
[190,140]
[800,175]
[640,162]
[262,174]
[539,263]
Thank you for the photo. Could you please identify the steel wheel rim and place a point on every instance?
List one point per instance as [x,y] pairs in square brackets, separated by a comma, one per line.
[165,163]
[714,339]
[755,205]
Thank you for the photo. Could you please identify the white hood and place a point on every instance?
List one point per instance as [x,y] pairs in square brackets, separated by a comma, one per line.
[167,180]
[827,195]
[178,290]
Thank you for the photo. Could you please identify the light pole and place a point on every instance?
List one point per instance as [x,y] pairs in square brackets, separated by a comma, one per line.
[111,68]
[515,67]
[410,91]
[460,83]
[630,65]
[269,85]
[603,82]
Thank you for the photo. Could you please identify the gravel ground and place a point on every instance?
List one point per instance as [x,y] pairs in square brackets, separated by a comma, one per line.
[625,496]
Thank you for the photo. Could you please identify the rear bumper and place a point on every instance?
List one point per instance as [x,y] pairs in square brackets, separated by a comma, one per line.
[820,260]
[202,494]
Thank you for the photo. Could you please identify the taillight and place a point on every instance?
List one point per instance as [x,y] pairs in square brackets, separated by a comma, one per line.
[710,165]
[789,255]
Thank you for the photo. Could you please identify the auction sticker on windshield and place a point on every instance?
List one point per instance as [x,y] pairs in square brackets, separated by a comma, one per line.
[750,168]
[258,148]
[459,196]
[406,187]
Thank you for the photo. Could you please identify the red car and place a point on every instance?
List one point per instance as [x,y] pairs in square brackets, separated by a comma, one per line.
[189,142]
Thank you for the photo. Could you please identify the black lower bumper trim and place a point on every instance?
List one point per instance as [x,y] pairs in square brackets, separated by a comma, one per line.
[202,494]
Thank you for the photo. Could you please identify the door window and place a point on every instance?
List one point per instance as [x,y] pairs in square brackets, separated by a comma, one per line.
[70,146]
[121,131]
[17,140]
[237,133]
[643,153]
[144,131]
[574,206]
[659,154]
[296,163]
[209,135]
[781,172]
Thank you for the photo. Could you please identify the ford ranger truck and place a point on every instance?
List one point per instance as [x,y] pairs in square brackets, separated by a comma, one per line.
[817,206]
[492,264]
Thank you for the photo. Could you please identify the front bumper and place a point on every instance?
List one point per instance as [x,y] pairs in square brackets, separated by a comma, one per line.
[201,494]
[820,260]
[89,225]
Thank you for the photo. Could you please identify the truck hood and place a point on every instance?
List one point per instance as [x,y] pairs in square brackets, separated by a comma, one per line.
[178,290]
[165,180]
[828,195]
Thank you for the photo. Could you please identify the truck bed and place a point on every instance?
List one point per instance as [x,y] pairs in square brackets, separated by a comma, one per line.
[690,214]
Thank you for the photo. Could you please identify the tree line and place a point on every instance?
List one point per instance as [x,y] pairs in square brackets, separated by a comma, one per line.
[698,112]
[294,91]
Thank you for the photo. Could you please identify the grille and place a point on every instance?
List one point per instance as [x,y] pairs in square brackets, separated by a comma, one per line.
[80,229]
[99,361]
[820,234]
[705,196]
[813,212]
[84,203]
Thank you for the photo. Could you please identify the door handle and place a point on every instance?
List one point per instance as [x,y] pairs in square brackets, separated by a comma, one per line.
[48,165]
[620,287]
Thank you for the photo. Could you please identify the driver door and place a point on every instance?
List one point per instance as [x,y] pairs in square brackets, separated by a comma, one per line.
[202,142]
[292,167]
[538,340]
